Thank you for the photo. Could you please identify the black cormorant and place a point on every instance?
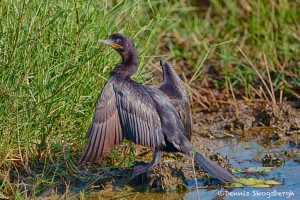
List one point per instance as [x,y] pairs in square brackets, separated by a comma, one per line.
[149,116]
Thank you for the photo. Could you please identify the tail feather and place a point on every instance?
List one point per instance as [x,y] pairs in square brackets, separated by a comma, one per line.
[213,168]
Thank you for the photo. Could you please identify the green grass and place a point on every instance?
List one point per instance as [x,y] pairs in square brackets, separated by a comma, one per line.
[52,71]
[52,68]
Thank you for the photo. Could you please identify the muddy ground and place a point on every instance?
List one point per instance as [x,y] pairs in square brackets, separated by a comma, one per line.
[267,124]
[213,130]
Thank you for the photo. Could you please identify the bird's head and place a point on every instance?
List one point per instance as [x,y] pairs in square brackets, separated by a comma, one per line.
[121,43]
[126,48]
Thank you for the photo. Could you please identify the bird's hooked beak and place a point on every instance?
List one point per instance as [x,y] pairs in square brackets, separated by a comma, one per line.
[110,43]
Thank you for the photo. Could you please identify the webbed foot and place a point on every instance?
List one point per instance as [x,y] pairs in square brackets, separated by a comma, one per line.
[140,169]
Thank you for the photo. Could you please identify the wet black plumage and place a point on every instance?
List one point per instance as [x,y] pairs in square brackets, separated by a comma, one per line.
[157,117]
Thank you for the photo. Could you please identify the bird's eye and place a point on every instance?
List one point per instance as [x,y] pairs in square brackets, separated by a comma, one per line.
[117,41]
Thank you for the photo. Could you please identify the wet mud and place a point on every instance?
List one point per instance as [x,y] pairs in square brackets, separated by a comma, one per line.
[275,129]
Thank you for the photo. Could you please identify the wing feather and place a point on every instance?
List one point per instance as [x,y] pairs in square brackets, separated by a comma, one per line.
[138,114]
[105,127]
[124,110]
[174,88]
[99,140]
[91,143]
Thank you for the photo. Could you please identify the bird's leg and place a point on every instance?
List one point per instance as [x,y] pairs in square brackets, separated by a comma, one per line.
[156,158]
[137,170]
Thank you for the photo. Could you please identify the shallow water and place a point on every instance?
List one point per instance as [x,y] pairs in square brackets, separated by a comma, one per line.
[246,154]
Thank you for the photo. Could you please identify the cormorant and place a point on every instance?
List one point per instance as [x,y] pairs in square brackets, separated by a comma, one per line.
[145,115]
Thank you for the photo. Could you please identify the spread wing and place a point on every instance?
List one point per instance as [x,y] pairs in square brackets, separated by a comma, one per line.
[138,115]
[124,110]
[105,130]
[173,87]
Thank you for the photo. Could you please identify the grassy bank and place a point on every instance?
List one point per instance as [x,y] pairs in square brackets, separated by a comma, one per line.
[52,69]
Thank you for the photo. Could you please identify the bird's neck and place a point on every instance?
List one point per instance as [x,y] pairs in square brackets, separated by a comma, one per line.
[129,64]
